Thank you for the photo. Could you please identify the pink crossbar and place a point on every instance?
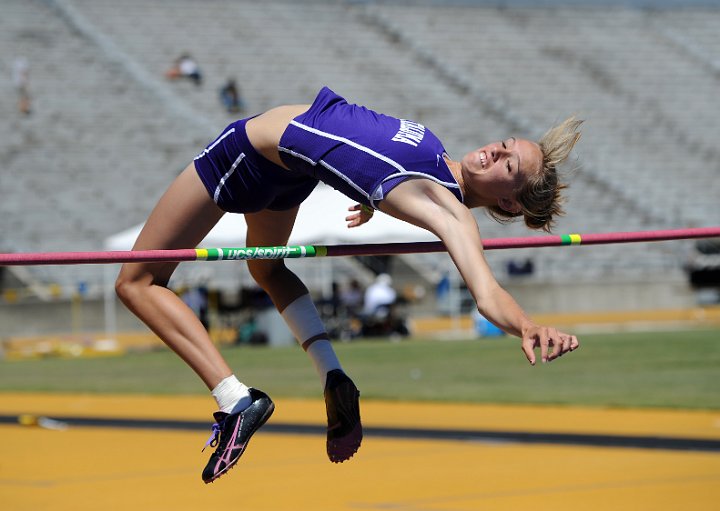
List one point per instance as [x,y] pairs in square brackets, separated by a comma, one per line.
[62,258]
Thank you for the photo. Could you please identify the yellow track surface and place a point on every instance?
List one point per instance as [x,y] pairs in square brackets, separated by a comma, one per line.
[87,468]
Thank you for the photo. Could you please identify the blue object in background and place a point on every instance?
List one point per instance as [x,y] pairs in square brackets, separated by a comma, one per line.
[484,328]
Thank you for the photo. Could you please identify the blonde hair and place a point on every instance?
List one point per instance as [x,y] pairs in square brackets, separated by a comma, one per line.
[540,196]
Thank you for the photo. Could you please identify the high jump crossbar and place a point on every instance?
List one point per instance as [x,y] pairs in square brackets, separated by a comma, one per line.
[300,251]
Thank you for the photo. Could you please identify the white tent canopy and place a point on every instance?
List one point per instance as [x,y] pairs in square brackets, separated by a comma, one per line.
[321,220]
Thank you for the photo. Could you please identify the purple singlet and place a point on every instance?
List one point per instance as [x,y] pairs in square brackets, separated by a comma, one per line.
[362,153]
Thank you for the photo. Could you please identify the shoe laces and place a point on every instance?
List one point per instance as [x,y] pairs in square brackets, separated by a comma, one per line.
[214,436]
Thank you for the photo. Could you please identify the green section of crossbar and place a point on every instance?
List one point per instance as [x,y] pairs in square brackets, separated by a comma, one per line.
[245,253]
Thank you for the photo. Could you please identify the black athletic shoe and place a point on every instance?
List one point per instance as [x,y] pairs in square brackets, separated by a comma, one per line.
[232,433]
[344,432]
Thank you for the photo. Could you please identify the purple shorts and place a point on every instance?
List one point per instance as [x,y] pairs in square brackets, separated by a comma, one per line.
[241,180]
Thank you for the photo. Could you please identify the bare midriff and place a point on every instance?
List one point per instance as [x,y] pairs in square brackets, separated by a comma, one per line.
[265,130]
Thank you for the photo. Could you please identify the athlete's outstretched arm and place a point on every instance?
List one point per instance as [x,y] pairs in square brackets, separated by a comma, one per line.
[430,206]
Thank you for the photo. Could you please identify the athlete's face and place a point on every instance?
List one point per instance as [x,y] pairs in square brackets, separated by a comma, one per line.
[496,171]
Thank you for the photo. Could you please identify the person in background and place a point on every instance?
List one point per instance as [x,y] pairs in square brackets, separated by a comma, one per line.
[351,297]
[379,296]
[196,298]
[230,97]
[185,67]
[21,81]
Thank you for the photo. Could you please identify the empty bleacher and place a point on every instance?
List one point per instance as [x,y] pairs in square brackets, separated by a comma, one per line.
[108,132]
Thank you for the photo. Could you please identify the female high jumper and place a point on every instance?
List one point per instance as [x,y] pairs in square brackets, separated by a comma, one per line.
[265,166]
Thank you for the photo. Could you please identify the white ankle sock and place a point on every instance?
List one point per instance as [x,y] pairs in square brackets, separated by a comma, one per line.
[323,357]
[304,322]
[231,395]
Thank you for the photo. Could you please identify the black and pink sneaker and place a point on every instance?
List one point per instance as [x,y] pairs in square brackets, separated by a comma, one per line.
[232,432]
[344,432]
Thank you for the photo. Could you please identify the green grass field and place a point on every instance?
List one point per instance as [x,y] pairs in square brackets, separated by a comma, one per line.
[665,369]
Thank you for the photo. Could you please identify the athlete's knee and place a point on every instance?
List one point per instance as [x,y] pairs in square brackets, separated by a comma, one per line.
[129,285]
[267,272]
[125,287]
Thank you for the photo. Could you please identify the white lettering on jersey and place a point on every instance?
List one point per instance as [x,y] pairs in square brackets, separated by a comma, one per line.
[409,133]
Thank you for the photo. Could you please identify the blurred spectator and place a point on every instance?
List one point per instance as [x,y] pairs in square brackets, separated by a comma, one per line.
[379,295]
[197,299]
[442,294]
[185,67]
[352,298]
[21,81]
[703,268]
[249,333]
[331,304]
[520,268]
[381,317]
[231,98]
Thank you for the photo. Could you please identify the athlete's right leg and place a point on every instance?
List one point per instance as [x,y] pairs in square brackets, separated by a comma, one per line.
[181,219]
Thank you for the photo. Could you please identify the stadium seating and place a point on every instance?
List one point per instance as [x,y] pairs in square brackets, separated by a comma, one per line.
[108,132]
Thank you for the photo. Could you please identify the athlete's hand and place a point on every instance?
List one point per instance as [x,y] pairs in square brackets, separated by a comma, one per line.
[362,214]
[552,343]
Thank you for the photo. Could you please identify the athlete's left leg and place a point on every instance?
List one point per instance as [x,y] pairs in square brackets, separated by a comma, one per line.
[290,296]
[292,299]
[181,219]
